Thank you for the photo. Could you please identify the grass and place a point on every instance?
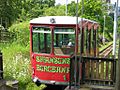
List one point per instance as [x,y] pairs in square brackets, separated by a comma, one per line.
[16,57]
[16,63]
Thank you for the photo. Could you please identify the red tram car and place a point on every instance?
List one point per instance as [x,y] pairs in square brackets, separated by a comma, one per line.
[54,40]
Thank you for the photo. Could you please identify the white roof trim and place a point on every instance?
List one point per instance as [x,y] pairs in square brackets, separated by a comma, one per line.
[58,20]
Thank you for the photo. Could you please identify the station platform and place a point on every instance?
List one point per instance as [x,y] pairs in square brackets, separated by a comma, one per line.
[91,87]
[8,85]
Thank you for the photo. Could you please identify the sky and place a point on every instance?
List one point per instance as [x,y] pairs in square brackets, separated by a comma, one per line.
[64,1]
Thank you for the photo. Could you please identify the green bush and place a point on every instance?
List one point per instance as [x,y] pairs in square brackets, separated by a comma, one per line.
[16,58]
[33,86]
[17,66]
[21,32]
[16,55]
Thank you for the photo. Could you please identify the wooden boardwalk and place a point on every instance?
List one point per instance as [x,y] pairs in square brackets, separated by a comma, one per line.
[91,87]
[8,85]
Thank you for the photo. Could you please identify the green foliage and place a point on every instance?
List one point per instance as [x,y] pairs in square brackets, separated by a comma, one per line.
[91,9]
[16,63]
[72,9]
[10,10]
[17,66]
[16,55]
[16,58]
[35,8]
[21,32]
[32,86]
[108,30]
[55,11]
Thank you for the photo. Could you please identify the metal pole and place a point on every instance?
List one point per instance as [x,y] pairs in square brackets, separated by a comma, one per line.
[76,36]
[115,28]
[80,58]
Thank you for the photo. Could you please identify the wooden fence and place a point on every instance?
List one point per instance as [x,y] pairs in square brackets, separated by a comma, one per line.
[98,71]
[93,72]
[4,36]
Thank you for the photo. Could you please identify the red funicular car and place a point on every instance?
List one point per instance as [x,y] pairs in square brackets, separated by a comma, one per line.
[54,40]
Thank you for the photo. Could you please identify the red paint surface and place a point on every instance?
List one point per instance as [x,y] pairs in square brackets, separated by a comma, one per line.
[58,77]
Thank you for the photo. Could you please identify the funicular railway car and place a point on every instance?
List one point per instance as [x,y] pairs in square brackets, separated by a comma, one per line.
[53,41]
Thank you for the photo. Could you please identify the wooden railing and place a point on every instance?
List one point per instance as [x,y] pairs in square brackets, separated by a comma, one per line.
[98,71]
[5,36]
[93,71]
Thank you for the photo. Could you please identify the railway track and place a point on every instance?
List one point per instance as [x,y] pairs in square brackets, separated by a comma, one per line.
[105,52]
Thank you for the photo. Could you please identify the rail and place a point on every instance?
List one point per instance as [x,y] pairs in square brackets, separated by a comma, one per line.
[106,51]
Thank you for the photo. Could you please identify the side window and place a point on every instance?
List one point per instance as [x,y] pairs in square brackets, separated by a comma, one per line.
[41,40]
[64,41]
[35,42]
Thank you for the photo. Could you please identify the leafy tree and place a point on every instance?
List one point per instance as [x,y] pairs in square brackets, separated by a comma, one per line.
[119,25]
[35,8]
[21,33]
[72,9]
[91,9]
[9,11]
[55,11]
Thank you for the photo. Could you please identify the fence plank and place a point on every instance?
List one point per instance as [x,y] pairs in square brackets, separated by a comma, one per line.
[102,70]
[111,75]
[97,70]
[87,69]
[4,36]
[107,69]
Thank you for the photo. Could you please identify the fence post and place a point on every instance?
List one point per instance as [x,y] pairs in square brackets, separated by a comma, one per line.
[117,85]
[1,66]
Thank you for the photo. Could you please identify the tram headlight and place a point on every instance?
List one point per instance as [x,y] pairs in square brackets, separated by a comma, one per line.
[35,79]
[52,20]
